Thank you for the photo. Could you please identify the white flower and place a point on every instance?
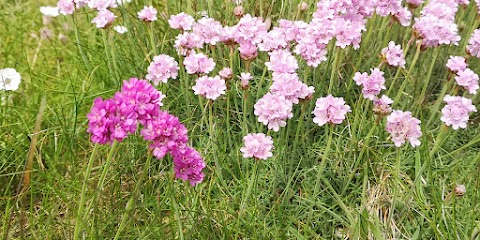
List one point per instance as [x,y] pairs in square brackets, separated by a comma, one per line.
[9,79]
[49,11]
[120,29]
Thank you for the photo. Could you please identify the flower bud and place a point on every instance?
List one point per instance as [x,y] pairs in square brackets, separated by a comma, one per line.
[226,73]
[460,190]
[303,6]
[238,11]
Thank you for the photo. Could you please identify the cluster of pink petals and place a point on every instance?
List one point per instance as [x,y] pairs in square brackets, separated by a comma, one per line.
[456,64]
[99,4]
[245,79]
[198,63]
[188,165]
[210,87]
[148,14]
[456,112]
[162,68]
[473,47]
[209,30]
[372,84]
[273,110]
[330,109]
[257,145]
[289,86]
[186,42]
[468,80]
[414,3]
[104,19]
[181,21]
[250,29]
[403,127]
[381,106]
[282,61]
[66,7]
[226,73]
[393,54]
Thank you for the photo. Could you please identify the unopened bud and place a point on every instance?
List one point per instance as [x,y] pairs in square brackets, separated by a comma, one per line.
[303,6]
[238,11]
[460,190]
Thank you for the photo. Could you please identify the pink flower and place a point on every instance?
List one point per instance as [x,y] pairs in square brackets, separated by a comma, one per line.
[456,112]
[148,14]
[372,85]
[348,32]
[273,40]
[100,5]
[282,61]
[402,126]
[245,79]
[210,88]
[403,16]
[414,3]
[456,64]
[330,109]
[188,165]
[473,47]
[181,21]
[273,110]
[248,51]
[197,63]
[209,30]
[467,79]
[162,68]
[250,29]
[394,55]
[104,19]
[381,106]
[289,86]
[187,41]
[257,145]
[226,73]
[66,7]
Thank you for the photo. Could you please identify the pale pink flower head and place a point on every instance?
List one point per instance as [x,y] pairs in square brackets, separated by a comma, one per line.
[66,7]
[198,63]
[210,87]
[148,14]
[273,40]
[248,51]
[381,106]
[403,127]
[473,47]
[348,32]
[282,61]
[187,41]
[257,145]
[289,86]
[245,79]
[210,30]
[226,73]
[162,68]
[456,112]
[414,3]
[100,5]
[403,16]
[393,54]
[372,85]
[468,80]
[250,29]
[434,31]
[456,64]
[330,109]
[181,21]
[273,110]
[104,19]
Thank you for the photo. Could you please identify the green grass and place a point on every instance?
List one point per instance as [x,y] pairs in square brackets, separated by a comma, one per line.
[322,182]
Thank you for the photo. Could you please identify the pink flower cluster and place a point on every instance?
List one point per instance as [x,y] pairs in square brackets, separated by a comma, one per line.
[198,63]
[148,14]
[210,87]
[403,127]
[257,145]
[473,47]
[381,106]
[456,64]
[456,112]
[372,84]
[330,109]
[393,55]
[162,68]
[273,110]
[468,80]
[139,102]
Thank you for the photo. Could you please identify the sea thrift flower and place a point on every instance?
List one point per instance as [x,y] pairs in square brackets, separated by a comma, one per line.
[181,21]
[248,51]
[473,47]
[120,29]
[9,79]
[393,55]
[414,3]
[372,85]
[49,11]
[162,68]
[257,145]
[102,4]
[250,29]
[197,63]
[381,106]
[456,64]
[273,110]
[238,11]
[456,112]
[467,79]
[188,165]
[104,19]
[187,41]
[402,127]
[289,86]
[245,79]
[148,14]
[209,30]
[273,40]
[330,109]
[282,61]
[210,87]
[403,16]
[66,7]
[226,73]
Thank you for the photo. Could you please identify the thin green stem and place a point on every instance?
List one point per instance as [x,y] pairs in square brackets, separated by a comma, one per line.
[324,159]
[427,79]
[334,68]
[176,212]
[412,66]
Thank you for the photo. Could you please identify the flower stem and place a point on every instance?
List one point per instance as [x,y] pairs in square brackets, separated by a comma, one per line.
[404,84]
[334,68]
[324,159]
[427,80]
[439,140]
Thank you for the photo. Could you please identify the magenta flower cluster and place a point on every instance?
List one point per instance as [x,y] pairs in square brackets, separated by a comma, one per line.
[138,103]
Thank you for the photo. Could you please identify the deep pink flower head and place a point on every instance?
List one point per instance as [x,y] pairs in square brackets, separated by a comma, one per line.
[257,145]
[282,61]
[468,80]
[372,85]
[66,7]
[162,68]
[456,112]
[245,79]
[330,109]
[210,87]
[104,19]
[188,165]
[403,127]
[381,106]
[209,30]
[187,41]
[473,47]
[393,54]
[198,63]
[226,73]
[289,86]
[181,21]
[273,110]
[148,14]
[456,64]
